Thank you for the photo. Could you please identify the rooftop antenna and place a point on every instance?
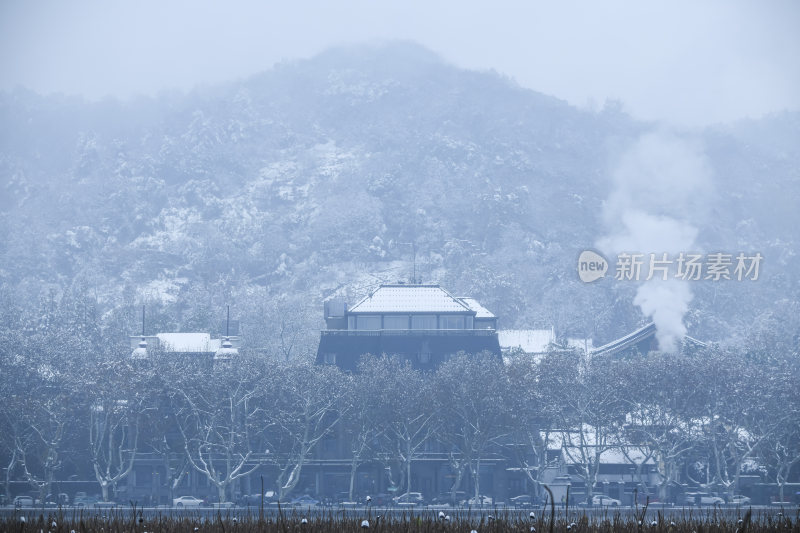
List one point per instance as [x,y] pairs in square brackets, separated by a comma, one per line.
[226,351]
[413,260]
[140,352]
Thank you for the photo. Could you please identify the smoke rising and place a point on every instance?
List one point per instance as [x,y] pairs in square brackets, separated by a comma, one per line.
[659,189]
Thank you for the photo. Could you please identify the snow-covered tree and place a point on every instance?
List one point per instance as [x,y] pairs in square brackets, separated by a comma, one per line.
[658,392]
[362,426]
[470,392]
[304,406]
[221,416]
[405,402]
[116,403]
[584,395]
[531,417]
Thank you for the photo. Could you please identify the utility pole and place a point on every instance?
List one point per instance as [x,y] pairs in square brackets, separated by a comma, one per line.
[413,260]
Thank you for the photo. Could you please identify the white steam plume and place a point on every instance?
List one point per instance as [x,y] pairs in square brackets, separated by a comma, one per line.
[660,187]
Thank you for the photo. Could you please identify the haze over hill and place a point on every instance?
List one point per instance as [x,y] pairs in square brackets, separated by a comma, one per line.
[311,179]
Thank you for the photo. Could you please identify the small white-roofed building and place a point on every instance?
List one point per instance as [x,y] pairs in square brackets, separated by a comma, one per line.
[529,341]
[197,344]
[621,469]
[537,342]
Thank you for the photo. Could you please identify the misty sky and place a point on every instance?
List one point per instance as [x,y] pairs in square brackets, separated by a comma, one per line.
[683,61]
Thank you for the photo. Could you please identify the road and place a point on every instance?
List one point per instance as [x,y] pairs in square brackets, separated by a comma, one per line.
[272,511]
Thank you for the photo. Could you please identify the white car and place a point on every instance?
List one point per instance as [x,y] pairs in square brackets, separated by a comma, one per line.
[605,501]
[409,498]
[703,498]
[24,501]
[186,501]
[479,501]
[739,500]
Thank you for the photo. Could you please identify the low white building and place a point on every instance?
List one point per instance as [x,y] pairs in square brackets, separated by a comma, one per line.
[537,342]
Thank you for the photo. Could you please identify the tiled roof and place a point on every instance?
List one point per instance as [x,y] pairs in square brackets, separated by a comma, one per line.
[631,339]
[627,341]
[480,311]
[410,299]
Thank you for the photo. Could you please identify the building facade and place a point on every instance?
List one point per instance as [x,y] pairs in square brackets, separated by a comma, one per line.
[422,323]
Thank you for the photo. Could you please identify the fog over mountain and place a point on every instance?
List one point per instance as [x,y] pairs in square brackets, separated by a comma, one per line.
[310,180]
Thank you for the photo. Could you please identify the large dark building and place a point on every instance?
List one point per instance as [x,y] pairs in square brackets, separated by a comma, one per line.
[422,323]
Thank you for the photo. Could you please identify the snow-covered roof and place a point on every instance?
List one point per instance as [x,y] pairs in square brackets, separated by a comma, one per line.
[188,342]
[610,456]
[568,442]
[410,299]
[480,311]
[527,340]
[691,341]
[635,337]
[628,340]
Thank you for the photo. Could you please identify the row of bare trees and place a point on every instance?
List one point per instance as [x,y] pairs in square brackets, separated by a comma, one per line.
[704,418]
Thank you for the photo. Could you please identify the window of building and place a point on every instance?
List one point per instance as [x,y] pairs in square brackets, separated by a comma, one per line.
[395,322]
[351,322]
[423,321]
[451,322]
[330,358]
[369,322]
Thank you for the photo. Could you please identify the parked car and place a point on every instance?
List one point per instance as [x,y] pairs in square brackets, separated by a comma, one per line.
[186,501]
[62,498]
[254,500]
[106,505]
[83,500]
[381,499]
[305,501]
[605,501]
[409,498]
[480,500]
[448,498]
[523,500]
[24,501]
[739,500]
[702,498]
[330,501]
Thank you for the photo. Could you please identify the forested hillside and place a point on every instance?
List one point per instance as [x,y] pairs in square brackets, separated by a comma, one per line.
[310,180]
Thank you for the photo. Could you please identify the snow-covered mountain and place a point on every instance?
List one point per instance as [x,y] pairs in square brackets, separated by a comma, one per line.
[310,180]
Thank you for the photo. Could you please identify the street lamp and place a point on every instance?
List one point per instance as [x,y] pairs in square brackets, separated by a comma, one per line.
[140,352]
[226,351]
